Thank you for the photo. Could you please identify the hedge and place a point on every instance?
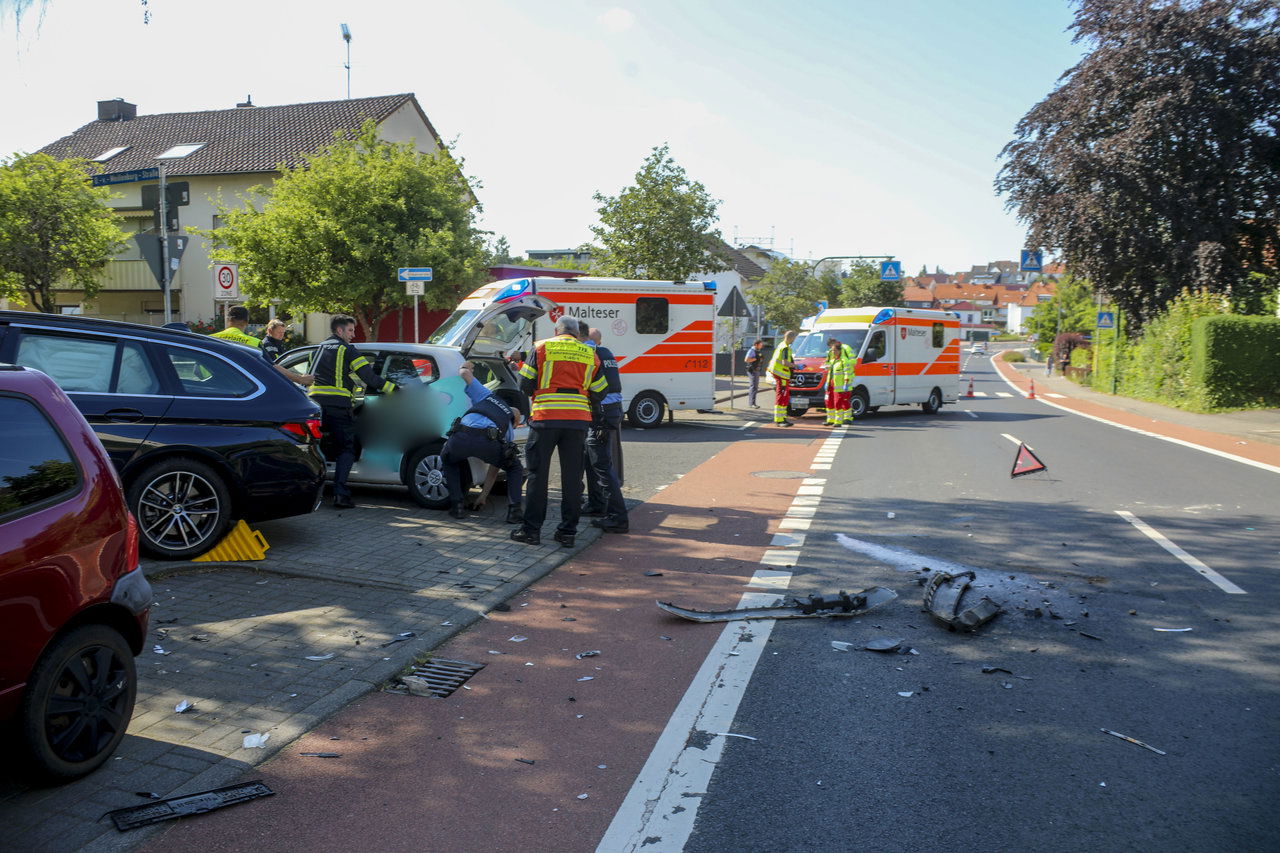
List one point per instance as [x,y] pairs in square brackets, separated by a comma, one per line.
[1235,360]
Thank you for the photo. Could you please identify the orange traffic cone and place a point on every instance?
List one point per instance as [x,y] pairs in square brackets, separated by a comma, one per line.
[1032,394]
[969,393]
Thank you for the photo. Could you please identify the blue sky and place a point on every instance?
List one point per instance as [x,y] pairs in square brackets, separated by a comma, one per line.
[836,128]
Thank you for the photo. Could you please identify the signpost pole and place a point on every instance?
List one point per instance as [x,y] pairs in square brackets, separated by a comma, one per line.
[416,339]
[733,356]
[164,248]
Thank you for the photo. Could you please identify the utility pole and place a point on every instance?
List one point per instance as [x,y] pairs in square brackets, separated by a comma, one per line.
[165,272]
[346,36]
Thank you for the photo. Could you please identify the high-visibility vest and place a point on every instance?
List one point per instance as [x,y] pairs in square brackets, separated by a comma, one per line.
[231,333]
[780,364]
[839,369]
[336,361]
[564,370]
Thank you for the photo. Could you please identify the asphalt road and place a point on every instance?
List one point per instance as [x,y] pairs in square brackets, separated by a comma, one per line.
[1016,760]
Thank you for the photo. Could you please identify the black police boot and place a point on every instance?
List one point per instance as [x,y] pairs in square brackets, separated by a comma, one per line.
[593,511]
[528,537]
[565,538]
[611,525]
[458,510]
[515,514]
[343,502]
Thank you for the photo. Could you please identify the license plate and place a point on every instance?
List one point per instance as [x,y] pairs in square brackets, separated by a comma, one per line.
[801,401]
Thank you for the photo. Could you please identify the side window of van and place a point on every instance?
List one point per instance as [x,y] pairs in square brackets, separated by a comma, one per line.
[939,339]
[652,313]
[875,348]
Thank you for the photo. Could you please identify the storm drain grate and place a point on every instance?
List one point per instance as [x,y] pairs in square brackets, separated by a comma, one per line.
[439,677]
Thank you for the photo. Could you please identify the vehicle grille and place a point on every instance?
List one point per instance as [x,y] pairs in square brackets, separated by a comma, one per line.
[806,380]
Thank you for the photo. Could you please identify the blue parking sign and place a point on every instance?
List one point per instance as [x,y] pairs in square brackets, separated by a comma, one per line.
[891,270]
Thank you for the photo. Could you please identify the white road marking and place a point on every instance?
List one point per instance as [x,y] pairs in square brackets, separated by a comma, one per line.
[1011,438]
[663,800]
[969,413]
[787,540]
[1003,394]
[1163,541]
[801,512]
[900,558]
[780,557]
[820,467]
[810,490]
[794,524]
[805,500]
[1057,396]
[1263,465]
[814,481]
[771,578]
[981,394]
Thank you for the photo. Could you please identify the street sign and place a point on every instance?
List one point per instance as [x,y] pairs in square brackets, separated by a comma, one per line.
[891,270]
[1032,261]
[734,305]
[415,273]
[226,281]
[149,244]
[1106,320]
[415,288]
[131,177]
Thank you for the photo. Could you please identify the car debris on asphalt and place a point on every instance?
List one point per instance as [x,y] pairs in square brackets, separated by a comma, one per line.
[815,606]
[942,599]
[185,806]
[1134,741]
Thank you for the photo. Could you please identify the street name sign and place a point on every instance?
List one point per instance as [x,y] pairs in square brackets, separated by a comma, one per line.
[130,177]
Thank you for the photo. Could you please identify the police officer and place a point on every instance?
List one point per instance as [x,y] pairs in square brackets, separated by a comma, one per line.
[237,322]
[485,431]
[780,369]
[272,348]
[336,360]
[560,376]
[604,491]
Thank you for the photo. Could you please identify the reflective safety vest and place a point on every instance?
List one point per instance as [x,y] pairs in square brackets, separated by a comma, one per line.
[336,366]
[231,333]
[840,369]
[780,364]
[563,371]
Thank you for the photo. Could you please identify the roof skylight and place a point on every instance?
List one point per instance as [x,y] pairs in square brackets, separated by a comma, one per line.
[110,152]
[179,151]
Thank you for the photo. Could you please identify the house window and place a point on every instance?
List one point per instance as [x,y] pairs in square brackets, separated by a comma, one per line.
[652,315]
[939,336]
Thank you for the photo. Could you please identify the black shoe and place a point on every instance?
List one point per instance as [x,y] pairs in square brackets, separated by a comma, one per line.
[782,423]
[458,511]
[594,512]
[343,503]
[515,515]
[528,537]
[608,525]
[565,539]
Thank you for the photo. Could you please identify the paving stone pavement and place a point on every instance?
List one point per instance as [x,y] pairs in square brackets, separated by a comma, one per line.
[237,638]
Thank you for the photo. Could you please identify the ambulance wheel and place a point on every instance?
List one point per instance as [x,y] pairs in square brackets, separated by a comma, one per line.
[425,478]
[933,404]
[647,410]
[859,405]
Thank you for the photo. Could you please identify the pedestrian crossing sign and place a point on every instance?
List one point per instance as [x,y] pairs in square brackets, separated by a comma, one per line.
[891,270]
[1032,261]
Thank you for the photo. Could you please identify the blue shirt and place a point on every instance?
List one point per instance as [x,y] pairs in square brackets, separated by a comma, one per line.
[612,396]
[475,393]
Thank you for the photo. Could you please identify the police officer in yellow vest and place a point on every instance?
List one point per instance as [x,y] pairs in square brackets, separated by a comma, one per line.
[237,321]
[336,361]
[561,376]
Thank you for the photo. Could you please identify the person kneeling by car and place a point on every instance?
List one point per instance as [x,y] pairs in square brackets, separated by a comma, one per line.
[485,431]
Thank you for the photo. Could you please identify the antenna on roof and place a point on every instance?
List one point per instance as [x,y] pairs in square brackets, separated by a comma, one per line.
[346,36]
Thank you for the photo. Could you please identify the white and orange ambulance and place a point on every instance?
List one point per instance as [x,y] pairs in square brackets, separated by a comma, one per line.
[905,356]
[662,332]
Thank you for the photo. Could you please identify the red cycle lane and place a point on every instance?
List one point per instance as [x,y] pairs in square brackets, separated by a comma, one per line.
[427,774]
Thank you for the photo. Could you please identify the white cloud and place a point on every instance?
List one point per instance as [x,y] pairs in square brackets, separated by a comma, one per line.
[616,20]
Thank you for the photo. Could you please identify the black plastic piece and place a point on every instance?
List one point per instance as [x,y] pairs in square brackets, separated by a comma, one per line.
[192,804]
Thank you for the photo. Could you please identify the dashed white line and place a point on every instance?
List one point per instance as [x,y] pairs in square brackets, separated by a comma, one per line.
[1011,438]
[1164,542]
[969,413]
[1003,394]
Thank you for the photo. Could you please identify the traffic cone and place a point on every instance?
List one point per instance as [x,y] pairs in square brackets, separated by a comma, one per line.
[1032,394]
[969,393]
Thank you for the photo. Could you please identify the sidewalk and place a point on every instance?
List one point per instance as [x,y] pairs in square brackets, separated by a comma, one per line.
[278,645]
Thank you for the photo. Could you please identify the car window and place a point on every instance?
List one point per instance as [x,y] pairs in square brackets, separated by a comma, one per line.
[297,362]
[405,368]
[203,374]
[484,375]
[35,464]
[875,349]
[90,365]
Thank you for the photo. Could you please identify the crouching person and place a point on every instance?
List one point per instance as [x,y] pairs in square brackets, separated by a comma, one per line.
[487,432]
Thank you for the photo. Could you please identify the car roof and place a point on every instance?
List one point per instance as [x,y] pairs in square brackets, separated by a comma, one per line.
[74,323]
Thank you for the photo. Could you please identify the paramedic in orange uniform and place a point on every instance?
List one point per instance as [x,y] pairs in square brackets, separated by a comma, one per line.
[561,376]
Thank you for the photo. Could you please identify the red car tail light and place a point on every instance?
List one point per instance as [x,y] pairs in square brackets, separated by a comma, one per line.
[307,430]
[131,544]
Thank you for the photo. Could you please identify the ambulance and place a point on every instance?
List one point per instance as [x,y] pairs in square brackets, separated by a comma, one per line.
[662,332]
[906,356]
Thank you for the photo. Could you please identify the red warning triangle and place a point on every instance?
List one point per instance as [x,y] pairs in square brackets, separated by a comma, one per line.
[1026,462]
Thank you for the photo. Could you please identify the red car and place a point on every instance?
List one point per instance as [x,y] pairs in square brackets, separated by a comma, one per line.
[74,603]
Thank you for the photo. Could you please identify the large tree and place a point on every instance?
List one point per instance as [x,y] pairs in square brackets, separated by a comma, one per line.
[661,228]
[56,230]
[1071,309]
[789,292]
[1154,163]
[862,286]
[331,232]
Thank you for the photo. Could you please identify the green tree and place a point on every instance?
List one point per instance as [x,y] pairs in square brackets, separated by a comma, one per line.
[1071,309]
[1153,165]
[862,286]
[331,232]
[56,230]
[789,292]
[660,228]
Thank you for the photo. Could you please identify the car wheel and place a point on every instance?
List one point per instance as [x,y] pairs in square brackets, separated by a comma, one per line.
[182,507]
[933,404]
[646,410]
[78,702]
[859,405]
[426,481]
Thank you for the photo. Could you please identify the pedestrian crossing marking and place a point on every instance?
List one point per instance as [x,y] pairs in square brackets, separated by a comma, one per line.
[1003,394]
[1057,396]
[981,394]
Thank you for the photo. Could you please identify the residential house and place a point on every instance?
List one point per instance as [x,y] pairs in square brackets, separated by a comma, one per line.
[970,318]
[985,298]
[1021,309]
[917,297]
[220,154]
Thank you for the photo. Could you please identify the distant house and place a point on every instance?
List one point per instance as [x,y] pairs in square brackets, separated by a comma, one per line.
[917,297]
[218,153]
[1021,309]
[970,318]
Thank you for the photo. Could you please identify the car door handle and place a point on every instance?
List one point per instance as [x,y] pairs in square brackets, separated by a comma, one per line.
[124,416]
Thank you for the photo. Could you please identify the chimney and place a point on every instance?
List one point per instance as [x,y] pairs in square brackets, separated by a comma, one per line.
[117,110]
[248,102]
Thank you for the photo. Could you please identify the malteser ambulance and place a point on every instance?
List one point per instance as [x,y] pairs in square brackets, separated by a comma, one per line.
[905,356]
[662,332]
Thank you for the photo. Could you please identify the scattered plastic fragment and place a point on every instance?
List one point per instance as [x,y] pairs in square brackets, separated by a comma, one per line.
[841,646]
[990,669]
[906,693]
[200,638]
[731,734]
[525,760]
[942,595]
[890,515]
[320,754]
[518,638]
[1102,784]
[1090,636]
[653,574]
[417,686]
[1134,741]
[256,741]
[884,644]
[446,623]
[568,619]
[182,706]
[191,804]
[322,657]
[160,650]
[149,795]
[587,678]
[663,637]
[815,606]
[1007,685]
[496,652]
[260,583]
[1171,630]
[602,766]
[398,638]
[582,796]
[590,654]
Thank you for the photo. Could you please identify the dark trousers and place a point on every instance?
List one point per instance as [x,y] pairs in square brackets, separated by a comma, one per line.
[753,387]
[461,446]
[603,488]
[339,427]
[543,441]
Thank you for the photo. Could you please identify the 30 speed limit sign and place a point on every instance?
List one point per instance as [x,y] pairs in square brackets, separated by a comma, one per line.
[226,281]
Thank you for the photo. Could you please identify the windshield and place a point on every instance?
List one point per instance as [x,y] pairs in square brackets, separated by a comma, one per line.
[452,330]
[814,344]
